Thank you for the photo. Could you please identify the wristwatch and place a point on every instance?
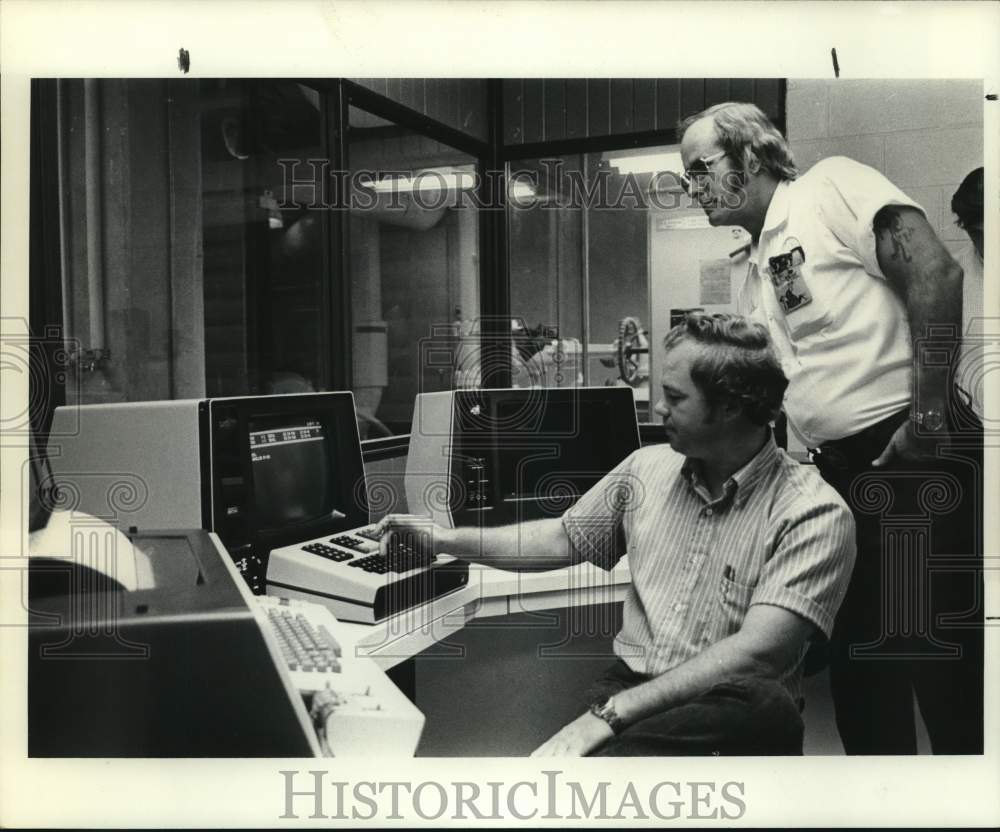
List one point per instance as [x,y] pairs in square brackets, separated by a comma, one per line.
[606,711]
[929,420]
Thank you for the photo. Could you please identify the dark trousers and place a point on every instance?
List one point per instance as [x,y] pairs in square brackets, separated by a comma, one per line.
[911,624]
[745,716]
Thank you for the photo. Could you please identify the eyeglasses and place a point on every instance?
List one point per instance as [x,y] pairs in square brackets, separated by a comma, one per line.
[699,168]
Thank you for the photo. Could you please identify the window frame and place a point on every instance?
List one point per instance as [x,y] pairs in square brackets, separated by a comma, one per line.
[493,281]
[492,154]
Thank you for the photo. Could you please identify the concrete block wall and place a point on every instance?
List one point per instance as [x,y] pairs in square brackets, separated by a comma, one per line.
[924,135]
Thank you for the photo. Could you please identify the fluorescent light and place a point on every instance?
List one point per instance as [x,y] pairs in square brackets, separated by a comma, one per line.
[519,190]
[647,163]
[433,180]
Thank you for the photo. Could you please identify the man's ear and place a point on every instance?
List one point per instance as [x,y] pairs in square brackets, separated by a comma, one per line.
[731,409]
[752,163]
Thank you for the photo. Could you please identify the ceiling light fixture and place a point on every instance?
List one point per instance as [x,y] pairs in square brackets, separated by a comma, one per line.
[657,162]
[441,179]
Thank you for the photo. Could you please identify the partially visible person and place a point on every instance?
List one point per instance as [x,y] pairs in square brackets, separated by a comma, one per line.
[967,205]
[739,557]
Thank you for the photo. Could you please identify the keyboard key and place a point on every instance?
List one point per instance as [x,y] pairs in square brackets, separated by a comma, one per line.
[328,552]
[349,542]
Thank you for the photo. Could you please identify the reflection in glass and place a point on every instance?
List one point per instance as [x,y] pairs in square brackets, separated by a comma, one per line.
[579,258]
[263,257]
[607,257]
[414,263]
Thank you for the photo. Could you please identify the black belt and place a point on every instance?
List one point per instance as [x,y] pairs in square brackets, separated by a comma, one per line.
[858,450]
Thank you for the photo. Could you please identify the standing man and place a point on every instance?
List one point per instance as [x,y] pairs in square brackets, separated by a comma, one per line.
[864,306]
[738,555]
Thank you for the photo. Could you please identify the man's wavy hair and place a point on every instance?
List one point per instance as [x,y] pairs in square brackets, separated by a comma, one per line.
[738,363]
[742,128]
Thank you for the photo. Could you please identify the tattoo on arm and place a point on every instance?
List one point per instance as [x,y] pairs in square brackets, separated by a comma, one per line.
[889,222]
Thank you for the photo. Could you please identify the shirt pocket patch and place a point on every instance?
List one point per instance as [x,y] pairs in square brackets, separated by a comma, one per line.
[803,312]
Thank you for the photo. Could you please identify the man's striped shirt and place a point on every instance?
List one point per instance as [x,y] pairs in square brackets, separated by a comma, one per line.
[779,535]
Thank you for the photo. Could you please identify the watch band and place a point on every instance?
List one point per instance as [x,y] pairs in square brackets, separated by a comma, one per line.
[606,711]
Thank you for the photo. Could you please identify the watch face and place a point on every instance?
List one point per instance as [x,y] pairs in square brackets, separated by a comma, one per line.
[606,711]
[933,420]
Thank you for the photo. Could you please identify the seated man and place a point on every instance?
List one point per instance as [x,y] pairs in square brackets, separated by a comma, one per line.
[738,556]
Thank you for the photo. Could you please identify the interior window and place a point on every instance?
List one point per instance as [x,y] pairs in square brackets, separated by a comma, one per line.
[414,269]
[605,256]
[264,237]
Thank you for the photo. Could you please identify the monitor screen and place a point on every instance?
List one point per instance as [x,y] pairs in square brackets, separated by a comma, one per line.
[292,470]
[557,451]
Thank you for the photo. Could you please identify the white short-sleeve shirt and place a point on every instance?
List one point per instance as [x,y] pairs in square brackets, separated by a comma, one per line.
[839,328]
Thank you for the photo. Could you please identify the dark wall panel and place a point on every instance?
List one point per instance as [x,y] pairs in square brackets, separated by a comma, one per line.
[716,91]
[741,89]
[598,107]
[433,98]
[554,109]
[554,104]
[645,104]
[576,109]
[457,102]
[692,96]
[622,113]
[668,103]
[533,108]
[767,96]
[411,93]
[557,109]
[513,128]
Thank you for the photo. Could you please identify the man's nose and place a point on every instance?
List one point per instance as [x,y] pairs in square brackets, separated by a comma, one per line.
[661,408]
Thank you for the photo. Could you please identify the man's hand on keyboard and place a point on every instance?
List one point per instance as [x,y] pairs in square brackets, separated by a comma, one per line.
[407,531]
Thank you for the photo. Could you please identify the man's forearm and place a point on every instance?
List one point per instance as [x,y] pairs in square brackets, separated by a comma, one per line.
[727,659]
[768,644]
[934,309]
[929,281]
[942,309]
[530,546]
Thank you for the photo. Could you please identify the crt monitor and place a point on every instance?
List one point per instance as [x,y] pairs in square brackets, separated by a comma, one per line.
[260,471]
[298,471]
[491,457]
[283,469]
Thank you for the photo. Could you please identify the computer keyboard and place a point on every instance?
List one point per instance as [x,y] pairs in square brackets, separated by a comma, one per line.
[311,652]
[359,709]
[359,583]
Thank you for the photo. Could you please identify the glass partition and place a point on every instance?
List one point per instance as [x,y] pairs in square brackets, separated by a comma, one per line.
[414,270]
[605,255]
[264,250]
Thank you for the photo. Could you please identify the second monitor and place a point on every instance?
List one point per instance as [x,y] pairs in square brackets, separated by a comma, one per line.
[491,457]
